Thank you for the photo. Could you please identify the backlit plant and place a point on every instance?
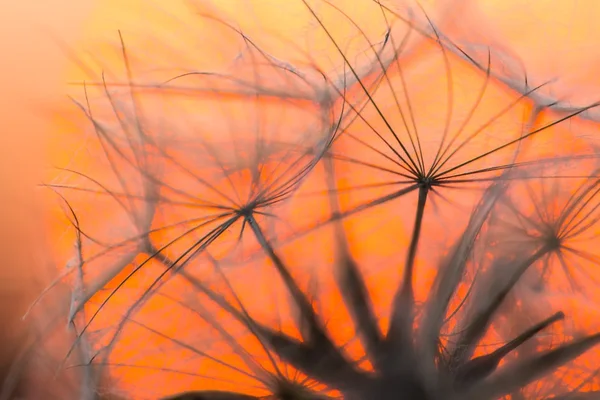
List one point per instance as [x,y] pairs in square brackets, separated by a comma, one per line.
[282,231]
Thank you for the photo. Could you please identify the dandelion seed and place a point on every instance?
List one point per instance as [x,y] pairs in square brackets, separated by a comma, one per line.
[558,214]
[249,209]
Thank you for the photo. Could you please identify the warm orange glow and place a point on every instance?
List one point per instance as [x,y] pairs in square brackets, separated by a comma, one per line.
[196,180]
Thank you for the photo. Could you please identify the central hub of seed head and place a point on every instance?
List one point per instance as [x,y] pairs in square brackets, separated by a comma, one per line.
[425,181]
[553,242]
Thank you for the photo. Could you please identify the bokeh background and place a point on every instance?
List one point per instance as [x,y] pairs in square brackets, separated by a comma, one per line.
[48,44]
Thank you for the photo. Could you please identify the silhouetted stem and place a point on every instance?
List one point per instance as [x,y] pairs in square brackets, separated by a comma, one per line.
[481,367]
[399,337]
[320,356]
[479,323]
[523,372]
[351,284]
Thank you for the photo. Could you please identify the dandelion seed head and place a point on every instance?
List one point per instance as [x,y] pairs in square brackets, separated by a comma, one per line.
[317,219]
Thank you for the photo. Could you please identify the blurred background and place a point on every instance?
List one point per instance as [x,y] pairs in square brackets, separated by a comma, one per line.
[32,79]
